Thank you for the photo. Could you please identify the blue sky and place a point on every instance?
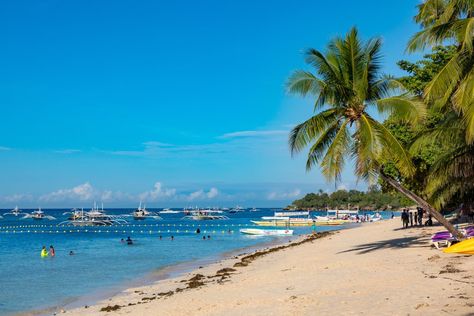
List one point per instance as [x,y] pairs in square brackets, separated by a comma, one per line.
[174,102]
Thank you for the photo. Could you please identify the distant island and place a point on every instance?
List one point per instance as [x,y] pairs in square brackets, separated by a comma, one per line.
[373,199]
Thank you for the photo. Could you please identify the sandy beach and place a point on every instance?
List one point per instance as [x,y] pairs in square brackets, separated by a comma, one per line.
[374,269]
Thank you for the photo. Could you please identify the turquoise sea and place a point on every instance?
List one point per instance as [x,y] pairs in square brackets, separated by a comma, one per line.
[101,262]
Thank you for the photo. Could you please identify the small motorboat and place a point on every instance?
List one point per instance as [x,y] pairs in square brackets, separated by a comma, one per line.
[266,232]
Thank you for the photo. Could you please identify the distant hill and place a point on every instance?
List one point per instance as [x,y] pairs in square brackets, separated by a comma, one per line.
[373,199]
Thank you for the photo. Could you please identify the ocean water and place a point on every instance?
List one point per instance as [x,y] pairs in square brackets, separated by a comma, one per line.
[101,262]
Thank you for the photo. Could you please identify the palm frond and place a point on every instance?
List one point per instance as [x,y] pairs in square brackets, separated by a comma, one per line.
[403,108]
[308,131]
[333,161]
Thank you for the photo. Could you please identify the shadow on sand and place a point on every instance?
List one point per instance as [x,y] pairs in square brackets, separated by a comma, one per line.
[404,242]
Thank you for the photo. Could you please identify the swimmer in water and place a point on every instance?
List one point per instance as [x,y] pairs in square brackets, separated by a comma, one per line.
[172,237]
[52,253]
[129,241]
[44,252]
[71,253]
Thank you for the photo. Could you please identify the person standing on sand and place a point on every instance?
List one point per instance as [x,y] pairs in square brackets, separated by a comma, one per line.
[420,216]
[410,213]
[404,217]
[416,218]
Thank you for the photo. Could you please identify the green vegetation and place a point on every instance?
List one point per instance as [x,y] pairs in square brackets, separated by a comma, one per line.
[373,199]
[425,149]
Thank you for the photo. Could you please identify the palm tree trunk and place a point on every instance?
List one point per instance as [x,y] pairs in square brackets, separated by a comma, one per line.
[425,205]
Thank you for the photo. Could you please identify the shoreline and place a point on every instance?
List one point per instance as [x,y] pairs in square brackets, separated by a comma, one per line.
[171,271]
[351,268]
[178,273]
[161,274]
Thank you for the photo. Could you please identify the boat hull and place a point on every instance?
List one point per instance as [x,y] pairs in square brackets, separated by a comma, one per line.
[267,232]
[282,223]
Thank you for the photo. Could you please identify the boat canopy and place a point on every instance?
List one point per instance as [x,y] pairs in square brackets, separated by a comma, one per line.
[305,213]
[343,212]
[275,218]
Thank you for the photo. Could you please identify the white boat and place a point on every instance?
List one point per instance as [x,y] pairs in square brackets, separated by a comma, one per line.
[267,232]
[236,209]
[15,212]
[286,219]
[203,215]
[254,210]
[375,218]
[168,211]
[38,215]
[141,213]
[94,217]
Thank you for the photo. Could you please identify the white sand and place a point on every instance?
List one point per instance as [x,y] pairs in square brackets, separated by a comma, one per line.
[374,269]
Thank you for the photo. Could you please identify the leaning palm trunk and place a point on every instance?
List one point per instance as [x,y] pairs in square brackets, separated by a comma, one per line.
[412,196]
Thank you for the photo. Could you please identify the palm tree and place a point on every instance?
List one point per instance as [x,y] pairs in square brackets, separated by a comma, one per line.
[450,21]
[347,84]
[455,166]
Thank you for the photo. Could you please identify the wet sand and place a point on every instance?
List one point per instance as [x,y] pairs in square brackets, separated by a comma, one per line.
[374,269]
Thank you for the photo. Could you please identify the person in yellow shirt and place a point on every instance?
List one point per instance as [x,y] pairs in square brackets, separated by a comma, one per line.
[44,252]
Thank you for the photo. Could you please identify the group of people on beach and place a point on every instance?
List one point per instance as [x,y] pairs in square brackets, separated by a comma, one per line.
[415,218]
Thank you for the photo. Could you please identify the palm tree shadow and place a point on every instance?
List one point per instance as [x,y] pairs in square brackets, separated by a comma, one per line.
[397,243]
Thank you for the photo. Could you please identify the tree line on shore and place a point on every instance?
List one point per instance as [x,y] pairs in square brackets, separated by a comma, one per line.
[424,149]
[373,199]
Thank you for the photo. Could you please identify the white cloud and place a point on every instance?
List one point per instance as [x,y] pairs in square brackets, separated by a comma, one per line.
[213,192]
[158,192]
[16,198]
[196,195]
[82,192]
[284,195]
[202,195]
[342,186]
[261,133]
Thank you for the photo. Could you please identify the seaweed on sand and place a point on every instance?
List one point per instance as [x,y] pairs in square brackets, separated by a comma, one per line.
[244,261]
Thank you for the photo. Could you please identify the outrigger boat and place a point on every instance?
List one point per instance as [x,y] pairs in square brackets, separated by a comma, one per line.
[168,211]
[38,215]
[285,219]
[141,214]
[266,232]
[74,214]
[236,209]
[15,212]
[203,215]
[94,217]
